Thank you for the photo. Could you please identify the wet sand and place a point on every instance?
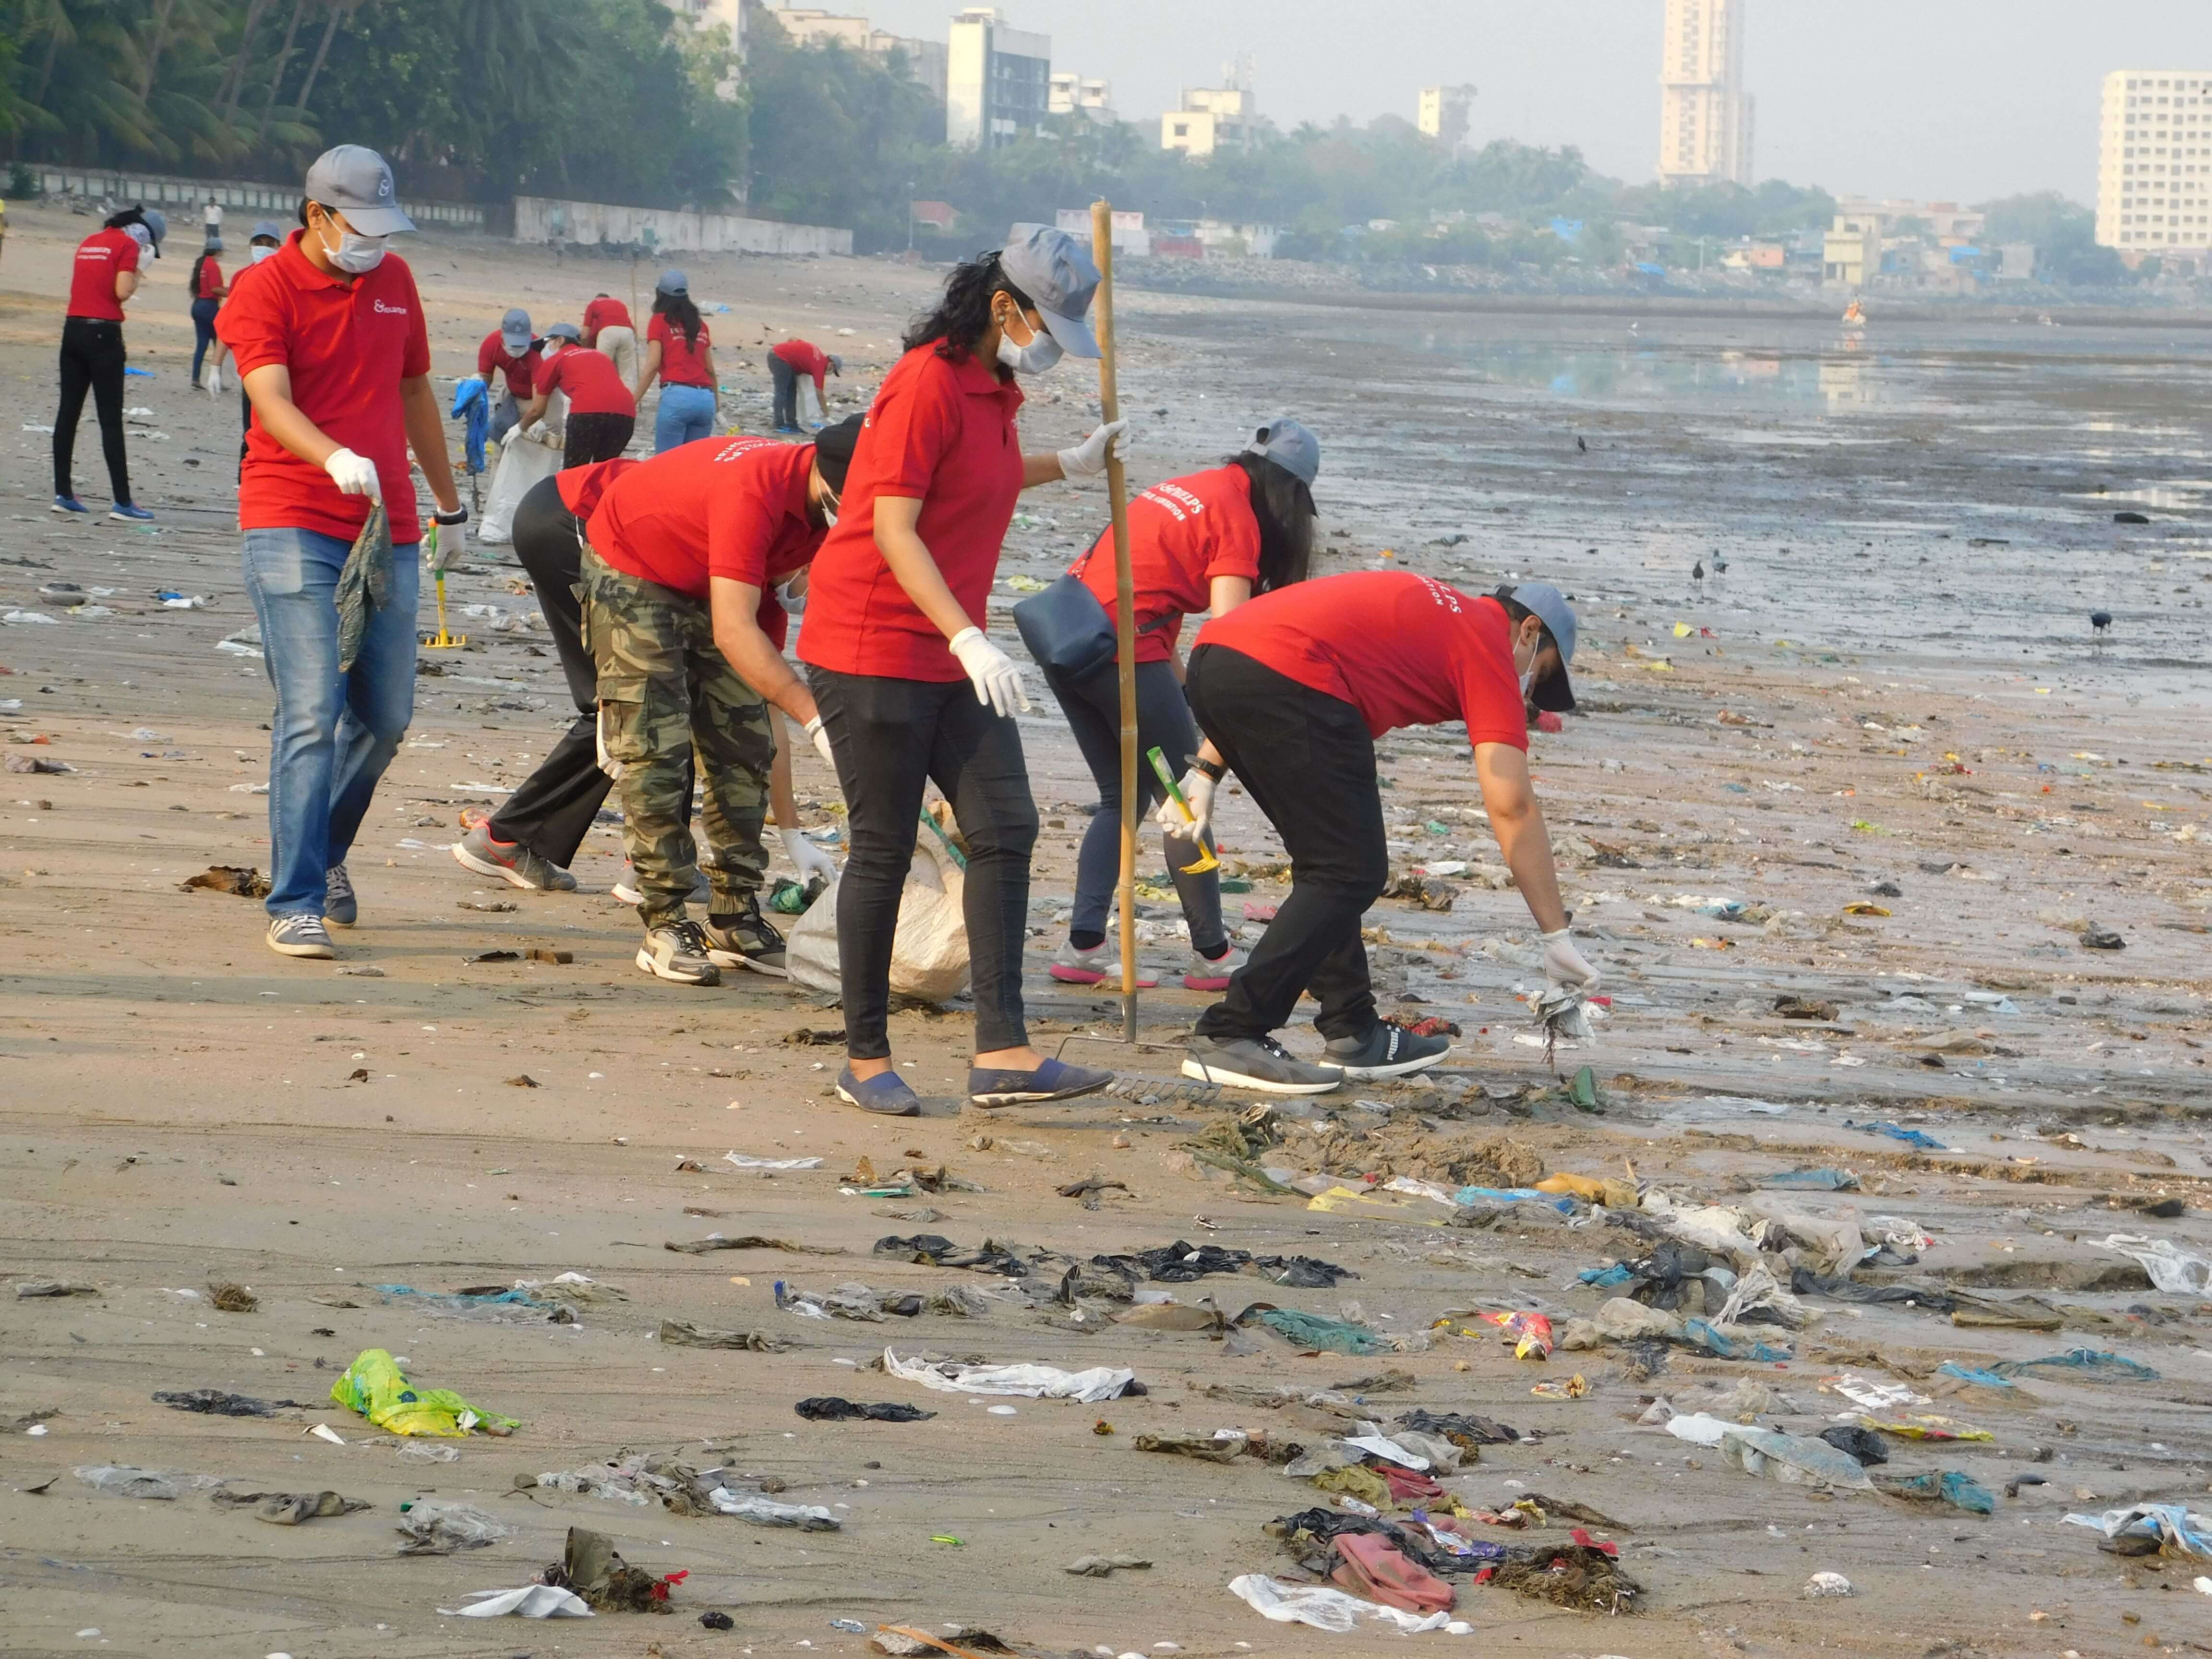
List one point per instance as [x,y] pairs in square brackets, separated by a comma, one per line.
[1880,699]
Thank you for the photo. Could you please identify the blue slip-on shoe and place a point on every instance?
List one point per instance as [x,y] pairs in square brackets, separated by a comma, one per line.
[69,504]
[1054,1081]
[885,1094]
[130,513]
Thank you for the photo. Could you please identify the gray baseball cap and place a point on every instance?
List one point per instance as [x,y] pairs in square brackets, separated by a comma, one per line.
[1051,267]
[568,331]
[673,281]
[357,182]
[836,363]
[268,228]
[1552,692]
[1290,446]
[516,333]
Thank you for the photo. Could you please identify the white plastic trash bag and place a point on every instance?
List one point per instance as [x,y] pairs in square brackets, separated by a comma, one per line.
[530,1602]
[929,956]
[1032,1381]
[523,461]
[1330,1609]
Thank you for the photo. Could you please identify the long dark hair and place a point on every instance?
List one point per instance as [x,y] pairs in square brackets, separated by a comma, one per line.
[1285,507]
[963,313]
[679,310]
[192,282]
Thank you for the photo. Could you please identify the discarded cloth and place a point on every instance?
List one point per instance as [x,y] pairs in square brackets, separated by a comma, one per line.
[936,1251]
[1375,1570]
[530,1602]
[1182,1263]
[1464,1431]
[682,1333]
[1961,1491]
[854,1300]
[1898,1132]
[1033,1381]
[2093,1365]
[1313,1333]
[1792,1459]
[829,1408]
[2178,1531]
[289,1509]
[215,1403]
[767,1512]
[1863,1445]
[1805,1282]
[1324,1609]
[374,1385]
[714,1242]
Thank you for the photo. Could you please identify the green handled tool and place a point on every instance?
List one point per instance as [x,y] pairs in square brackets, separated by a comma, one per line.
[1206,859]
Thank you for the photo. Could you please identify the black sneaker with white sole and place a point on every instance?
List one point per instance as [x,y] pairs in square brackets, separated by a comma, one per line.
[1259,1063]
[746,940]
[678,950]
[1388,1050]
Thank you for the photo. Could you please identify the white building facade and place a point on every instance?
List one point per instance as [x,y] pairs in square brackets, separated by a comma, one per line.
[2154,162]
[1705,115]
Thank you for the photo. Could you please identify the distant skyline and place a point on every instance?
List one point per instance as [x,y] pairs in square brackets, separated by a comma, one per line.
[1949,100]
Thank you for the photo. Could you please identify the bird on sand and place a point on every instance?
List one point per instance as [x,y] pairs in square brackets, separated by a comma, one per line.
[2100,620]
[1697,571]
[1581,443]
[1720,564]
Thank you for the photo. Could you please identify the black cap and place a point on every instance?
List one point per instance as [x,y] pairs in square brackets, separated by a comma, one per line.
[834,446]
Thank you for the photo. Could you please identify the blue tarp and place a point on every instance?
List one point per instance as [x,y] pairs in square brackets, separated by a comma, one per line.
[473,402]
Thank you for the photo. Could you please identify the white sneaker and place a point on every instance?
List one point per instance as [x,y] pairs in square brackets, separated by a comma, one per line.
[300,935]
[1207,974]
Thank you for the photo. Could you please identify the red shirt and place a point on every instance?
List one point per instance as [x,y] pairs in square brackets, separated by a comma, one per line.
[604,312]
[1183,534]
[581,487]
[520,372]
[942,434]
[1405,650]
[735,510]
[210,281]
[591,379]
[682,361]
[348,344]
[806,359]
[100,258]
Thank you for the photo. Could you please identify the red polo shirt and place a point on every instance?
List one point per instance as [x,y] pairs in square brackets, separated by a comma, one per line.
[806,358]
[735,510]
[604,312]
[348,344]
[590,379]
[521,371]
[682,363]
[942,434]
[210,281]
[100,258]
[1183,534]
[581,487]
[1404,650]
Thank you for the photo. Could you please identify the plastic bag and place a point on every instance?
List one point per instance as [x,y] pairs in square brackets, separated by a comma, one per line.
[374,1385]
[2173,1270]
[522,462]
[1034,1381]
[767,1512]
[1324,1609]
[929,954]
[1792,1459]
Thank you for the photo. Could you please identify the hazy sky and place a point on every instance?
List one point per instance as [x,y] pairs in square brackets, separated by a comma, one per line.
[1940,99]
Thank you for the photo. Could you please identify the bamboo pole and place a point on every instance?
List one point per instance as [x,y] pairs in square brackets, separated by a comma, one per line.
[1125,609]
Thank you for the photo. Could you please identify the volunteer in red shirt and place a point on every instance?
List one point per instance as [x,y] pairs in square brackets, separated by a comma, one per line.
[206,287]
[602,415]
[786,363]
[333,354]
[607,328]
[680,353]
[104,275]
[1203,543]
[510,349]
[680,557]
[1291,690]
[909,689]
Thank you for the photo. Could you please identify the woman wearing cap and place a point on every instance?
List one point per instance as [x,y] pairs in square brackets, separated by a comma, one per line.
[1203,543]
[268,237]
[102,278]
[786,363]
[909,690]
[680,354]
[207,288]
[332,349]
[1291,690]
[602,414]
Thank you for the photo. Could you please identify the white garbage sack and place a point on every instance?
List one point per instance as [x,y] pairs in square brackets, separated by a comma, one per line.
[530,1602]
[524,460]
[1032,1381]
[2173,1270]
[1331,1609]
[929,954]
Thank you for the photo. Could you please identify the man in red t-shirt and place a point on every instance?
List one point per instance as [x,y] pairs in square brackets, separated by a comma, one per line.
[786,363]
[1291,688]
[104,274]
[333,352]
[510,349]
[607,328]
[683,557]
[601,413]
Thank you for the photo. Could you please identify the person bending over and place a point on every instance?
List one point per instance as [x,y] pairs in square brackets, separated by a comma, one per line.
[510,350]
[607,328]
[602,414]
[786,363]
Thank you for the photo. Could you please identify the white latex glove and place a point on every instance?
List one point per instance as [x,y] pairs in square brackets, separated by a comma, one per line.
[807,859]
[1197,792]
[820,739]
[998,683]
[354,475]
[1088,458]
[1564,966]
[452,541]
[214,380]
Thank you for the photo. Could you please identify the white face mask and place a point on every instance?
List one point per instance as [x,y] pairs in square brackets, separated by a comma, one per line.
[356,254]
[261,253]
[141,235]
[1528,674]
[1039,355]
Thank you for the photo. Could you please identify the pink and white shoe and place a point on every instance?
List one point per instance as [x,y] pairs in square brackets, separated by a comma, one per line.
[1211,974]
[1098,966]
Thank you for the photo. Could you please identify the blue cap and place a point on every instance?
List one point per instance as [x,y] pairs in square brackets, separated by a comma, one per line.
[1550,606]
[1051,267]
[1290,447]
[568,331]
[514,331]
[673,282]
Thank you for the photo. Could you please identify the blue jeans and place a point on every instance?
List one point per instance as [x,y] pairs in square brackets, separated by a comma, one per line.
[686,412]
[332,734]
[203,313]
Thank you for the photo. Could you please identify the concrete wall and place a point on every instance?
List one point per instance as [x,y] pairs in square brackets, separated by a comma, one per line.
[125,185]
[540,219]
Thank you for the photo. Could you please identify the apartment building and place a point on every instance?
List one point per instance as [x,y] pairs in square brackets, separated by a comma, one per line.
[1705,115]
[809,25]
[1070,94]
[2155,162]
[1211,118]
[997,79]
[1443,114]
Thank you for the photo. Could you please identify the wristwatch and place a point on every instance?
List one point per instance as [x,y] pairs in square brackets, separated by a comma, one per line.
[459,515]
[1200,763]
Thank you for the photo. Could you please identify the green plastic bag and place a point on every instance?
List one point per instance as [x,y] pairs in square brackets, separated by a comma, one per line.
[374,1385]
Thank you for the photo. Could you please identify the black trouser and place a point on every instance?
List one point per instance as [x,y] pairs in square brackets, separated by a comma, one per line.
[92,360]
[588,438]
[890,737]
[1307,761]
[1093,706]
[784,378]
[203,333]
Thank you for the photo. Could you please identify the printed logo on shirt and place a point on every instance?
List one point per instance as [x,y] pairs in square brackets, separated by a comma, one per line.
[1174,499]
[390,311]
[1444,596]
[739,446]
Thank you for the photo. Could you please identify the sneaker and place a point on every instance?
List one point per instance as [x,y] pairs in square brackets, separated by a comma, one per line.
[1259,1063]
[1073,965]
[1388,1050]
[1212,973]
[678,950]
[511,862]
[130,513]
[69,504]
[626,892]
[746,940]
[339,905]
[299,935]
[885,1094]
[1054,1081]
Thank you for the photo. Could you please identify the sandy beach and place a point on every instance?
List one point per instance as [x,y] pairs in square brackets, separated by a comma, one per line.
[1880,763]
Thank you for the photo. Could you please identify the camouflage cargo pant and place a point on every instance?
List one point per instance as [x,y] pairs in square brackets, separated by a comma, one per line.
[664,690]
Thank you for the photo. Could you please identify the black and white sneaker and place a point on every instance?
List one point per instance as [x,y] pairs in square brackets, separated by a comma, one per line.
[1388,1050]
[340,908]
[1259,1063]
[746,940]
[678,950]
